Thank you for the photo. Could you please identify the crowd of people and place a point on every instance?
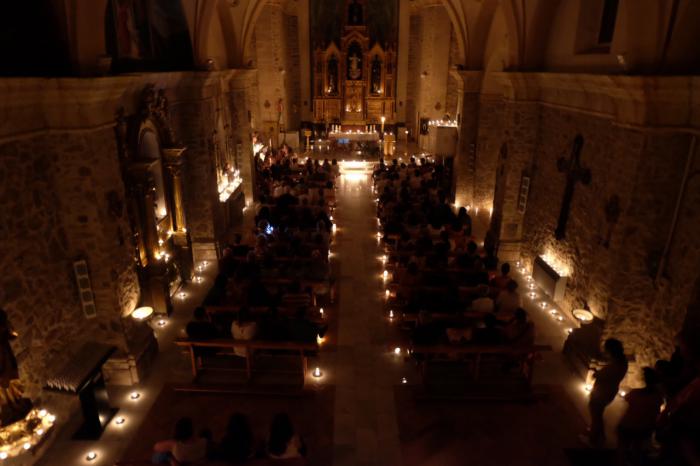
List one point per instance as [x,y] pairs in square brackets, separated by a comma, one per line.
[440,274]
[275,275]
[663,413]
[237,444]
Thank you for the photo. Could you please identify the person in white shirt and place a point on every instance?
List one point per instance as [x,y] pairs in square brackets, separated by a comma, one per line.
[508,301]
[483,303]
[243,328]
[183,448]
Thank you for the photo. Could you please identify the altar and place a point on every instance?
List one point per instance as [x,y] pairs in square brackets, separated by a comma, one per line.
[344,137]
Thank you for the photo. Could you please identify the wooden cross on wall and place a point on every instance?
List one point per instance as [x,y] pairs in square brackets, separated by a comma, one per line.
[574,173]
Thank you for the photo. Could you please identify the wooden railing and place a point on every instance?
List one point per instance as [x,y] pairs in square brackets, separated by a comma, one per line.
[228,347]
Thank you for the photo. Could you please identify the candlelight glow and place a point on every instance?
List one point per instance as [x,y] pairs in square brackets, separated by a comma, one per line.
[142,313]
[397,350]
[91,456]
[317,372]
[557,263]
[135,395]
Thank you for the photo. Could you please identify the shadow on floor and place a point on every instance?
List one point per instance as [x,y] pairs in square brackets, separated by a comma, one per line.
[452,433]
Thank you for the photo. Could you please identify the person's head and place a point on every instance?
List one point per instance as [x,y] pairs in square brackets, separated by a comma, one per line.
[520,315]
[200,313]
[471,247]
[505,269]
[614,348]
[281,432]
[490,321]
[184,429]
[512,286]
[237,239]
[651,378]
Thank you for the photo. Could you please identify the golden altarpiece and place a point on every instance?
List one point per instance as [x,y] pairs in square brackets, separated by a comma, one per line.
[354,82]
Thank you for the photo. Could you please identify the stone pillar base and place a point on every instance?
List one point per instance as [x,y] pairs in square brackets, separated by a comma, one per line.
[131,368]
[509,251]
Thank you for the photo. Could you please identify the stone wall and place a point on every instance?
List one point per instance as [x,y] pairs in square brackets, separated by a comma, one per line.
[276,57]
[413,81]
[293,72]
[618,264]
[54,193]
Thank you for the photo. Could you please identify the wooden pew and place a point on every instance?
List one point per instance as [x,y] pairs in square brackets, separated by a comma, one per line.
[473,357]
[227,347]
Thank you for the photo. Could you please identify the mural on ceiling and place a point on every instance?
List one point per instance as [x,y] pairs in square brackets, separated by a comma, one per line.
[327,16]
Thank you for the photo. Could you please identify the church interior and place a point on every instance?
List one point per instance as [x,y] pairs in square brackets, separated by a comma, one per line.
[350,232]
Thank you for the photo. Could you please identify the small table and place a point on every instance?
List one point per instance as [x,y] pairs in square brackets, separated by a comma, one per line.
[82,376]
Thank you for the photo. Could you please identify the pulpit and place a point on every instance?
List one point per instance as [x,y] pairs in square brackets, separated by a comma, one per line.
[82,376]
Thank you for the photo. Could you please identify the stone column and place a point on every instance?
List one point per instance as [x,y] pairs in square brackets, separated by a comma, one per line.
[304,59]
[240,85]
[468,115]
[153,273]
[173,161]
[402,66]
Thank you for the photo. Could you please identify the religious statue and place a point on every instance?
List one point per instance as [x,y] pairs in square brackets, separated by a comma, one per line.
[355,14]
[332,75]
[13,406]
[355,70]
[376,76]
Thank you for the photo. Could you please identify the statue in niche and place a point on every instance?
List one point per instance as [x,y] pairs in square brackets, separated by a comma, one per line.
[355,14]
[354,68]
[13,406]
[376,76]
[332,75]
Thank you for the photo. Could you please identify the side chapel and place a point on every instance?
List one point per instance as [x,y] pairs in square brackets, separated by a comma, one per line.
[354,82]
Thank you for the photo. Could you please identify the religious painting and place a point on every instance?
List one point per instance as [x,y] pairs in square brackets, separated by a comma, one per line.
[144,33]
[424,122]
[131,29]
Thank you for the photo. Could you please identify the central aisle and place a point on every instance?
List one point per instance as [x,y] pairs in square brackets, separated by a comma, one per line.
[363,370]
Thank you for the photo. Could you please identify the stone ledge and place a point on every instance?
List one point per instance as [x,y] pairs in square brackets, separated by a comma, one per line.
[72,104]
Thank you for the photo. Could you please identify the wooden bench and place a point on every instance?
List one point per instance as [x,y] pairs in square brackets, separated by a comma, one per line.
[227,347]
[478,384]
[214,311]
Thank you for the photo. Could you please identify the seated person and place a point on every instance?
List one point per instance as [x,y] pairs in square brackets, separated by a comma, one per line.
[303,330]
[427,332]
[520,331]
[508,301]
[295,297]
[183,448]
[489,334]
[243,328]
[500,282]
[238,249]
[483,303]
[283,442]
[236,446]
[200,328]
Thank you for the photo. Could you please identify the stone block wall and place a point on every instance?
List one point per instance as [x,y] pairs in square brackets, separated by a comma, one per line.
[293,72]
[276,57]
[54,192]
[436,32]
[490,138]
[414,71]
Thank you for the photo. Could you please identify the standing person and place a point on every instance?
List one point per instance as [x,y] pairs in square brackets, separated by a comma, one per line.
[605,388]
[637,424]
